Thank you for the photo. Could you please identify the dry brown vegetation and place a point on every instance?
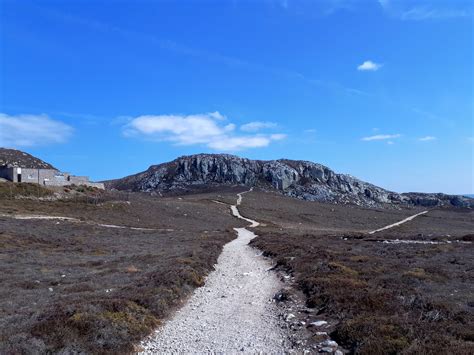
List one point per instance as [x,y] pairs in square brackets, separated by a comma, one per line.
[77,287]
[9,190]
[378,298]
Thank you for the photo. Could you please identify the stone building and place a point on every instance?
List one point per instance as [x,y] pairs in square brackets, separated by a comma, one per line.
[47,177]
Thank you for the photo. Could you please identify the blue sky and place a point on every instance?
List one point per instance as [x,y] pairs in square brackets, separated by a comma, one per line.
[382,90]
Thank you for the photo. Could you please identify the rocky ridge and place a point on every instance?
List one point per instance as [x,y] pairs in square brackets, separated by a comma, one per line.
[300,179]
[21,159]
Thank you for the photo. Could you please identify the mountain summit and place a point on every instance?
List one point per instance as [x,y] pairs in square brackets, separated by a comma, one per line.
[301,179]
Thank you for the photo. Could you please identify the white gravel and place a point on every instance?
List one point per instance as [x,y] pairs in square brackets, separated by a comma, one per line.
[75,220]
[233,312]
[398,223]
[35,216]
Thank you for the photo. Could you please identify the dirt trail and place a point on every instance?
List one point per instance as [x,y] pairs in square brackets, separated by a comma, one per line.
[76,220]
[398,223]
[232,312]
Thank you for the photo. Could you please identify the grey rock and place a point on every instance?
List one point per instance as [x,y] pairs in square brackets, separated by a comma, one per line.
[300,179]
[330,343]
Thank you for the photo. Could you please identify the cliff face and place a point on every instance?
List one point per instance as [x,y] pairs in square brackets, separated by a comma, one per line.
[300,179]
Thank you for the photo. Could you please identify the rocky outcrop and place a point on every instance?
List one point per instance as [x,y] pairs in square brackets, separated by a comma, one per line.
[18,158]
[301,179]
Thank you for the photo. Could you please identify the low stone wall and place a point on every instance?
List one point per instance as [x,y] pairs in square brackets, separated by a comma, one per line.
[98,185]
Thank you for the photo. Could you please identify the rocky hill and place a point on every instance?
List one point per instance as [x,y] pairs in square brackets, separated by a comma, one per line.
[18,158]
[301,179]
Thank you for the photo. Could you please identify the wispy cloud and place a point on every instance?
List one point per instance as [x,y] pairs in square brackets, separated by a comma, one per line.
[212,56]
[320,8]
[257,126]
[369,65]
[384,3]
[420,11]
[381,137]
[87,118]
[427,139]
[209,129]
[432,117]
[426,13]
[32,130]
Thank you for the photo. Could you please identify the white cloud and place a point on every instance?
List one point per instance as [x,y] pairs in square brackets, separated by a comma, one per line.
[257,125]
[277,136]
[368,65]
[381,137]
[239,143]
[206,129]
[217,115]
[427,139]
[31,130]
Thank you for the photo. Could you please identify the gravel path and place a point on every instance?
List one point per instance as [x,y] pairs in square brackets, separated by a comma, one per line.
[398,223]
[76,220]
[232,312]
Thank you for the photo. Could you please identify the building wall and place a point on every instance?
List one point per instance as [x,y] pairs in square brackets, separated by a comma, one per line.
[48,177]
[8,173]
[78,180]
[5,172]
[41,175]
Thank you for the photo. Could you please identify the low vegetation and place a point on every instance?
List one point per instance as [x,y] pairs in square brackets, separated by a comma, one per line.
[378,298]
[75,287]
[383,298]
[9,190]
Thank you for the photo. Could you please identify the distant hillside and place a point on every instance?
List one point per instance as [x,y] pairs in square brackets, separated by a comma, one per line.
[22,159]
[300,179]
